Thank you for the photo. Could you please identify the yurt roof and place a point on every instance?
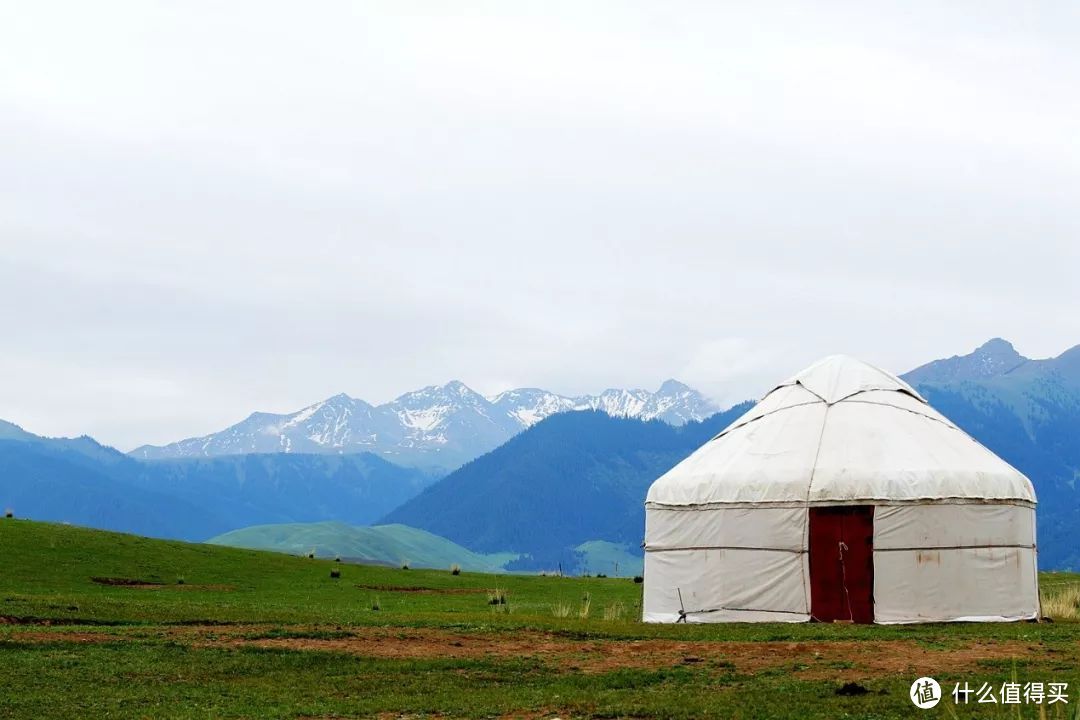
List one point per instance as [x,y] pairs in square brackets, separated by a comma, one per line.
[841,431]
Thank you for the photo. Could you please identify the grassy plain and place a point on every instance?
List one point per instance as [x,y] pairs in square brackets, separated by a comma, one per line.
[96,624]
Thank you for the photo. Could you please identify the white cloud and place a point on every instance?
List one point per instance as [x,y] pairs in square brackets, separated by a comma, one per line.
[207,210]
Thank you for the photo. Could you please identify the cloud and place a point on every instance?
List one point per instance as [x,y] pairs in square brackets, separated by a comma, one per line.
[207,211]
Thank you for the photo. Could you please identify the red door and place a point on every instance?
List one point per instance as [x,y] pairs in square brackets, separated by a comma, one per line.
[842,563]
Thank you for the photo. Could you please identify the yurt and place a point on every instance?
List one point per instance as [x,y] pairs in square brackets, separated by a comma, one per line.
[841,497]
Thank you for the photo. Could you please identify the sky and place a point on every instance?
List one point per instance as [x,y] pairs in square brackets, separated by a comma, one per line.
[208,209]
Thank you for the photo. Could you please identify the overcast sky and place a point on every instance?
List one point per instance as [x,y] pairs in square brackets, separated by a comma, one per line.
[208,209]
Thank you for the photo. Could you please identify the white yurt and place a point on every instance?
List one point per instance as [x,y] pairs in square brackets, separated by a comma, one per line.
[841,496]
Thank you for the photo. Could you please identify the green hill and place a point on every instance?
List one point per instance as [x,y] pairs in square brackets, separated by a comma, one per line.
[393,545]
[64,574]
[608,558]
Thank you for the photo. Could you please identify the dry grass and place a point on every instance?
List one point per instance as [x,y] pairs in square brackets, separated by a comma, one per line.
[1061,602]
[561,609]
[586,605]
[614,611]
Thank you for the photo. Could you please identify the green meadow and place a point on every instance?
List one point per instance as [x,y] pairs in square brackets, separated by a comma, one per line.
[104,625]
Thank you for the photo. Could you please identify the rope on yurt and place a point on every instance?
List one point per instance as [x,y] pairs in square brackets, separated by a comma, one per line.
[686,613]
[683,612]
[806,515]
[843,581]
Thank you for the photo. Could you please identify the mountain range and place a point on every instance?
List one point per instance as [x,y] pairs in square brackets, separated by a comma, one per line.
[79,481]
[441,426]
[581,476]
[565,490]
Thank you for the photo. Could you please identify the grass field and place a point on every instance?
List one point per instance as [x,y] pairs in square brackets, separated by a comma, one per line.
[96,625]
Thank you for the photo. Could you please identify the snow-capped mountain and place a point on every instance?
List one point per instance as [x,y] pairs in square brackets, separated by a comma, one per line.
[674,403]
[441,425]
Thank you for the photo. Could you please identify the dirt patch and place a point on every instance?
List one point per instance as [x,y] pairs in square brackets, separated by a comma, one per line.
[840,661]
[15,620]
[152,585]
[835,660]
[46,622]
[125,582]
[64,637]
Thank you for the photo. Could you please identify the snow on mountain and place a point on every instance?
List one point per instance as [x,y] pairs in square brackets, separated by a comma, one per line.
[531,405]
[674,403]
[440,425]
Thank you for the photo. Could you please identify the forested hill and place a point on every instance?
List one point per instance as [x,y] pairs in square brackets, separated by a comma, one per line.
[84,483]
[572,478]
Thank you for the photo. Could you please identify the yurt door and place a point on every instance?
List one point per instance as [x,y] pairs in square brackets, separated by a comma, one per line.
[842,563]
